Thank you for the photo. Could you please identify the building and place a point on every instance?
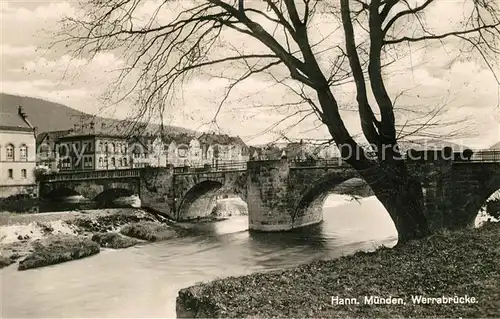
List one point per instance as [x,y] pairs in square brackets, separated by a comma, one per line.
[46,148]
[183,149]
[93,147]
[294,150]
[222,148]
[17,152]
[139,151]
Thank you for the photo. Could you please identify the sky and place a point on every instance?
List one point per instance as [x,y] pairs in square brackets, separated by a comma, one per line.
[421,78]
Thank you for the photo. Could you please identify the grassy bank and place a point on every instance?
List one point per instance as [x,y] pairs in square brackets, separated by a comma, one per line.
[449,264]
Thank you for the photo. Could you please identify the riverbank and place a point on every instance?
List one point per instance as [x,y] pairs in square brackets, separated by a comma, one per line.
[49,238]
[461,263]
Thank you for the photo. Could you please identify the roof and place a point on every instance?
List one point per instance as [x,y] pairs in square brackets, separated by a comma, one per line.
[269,151]
[11,118]
[222,139]
[181,138]
[54,135]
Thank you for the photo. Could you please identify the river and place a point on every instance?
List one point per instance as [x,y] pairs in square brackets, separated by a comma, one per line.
[143,281]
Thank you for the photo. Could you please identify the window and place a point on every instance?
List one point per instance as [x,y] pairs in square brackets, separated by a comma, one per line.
[87,162]
[106,162]
[67,163]
[182,151]
[125,161]
[100,162]
[113,162]
[10,173]
[23,152]
[106,147]
[9,152]
[112,150]
[120,162]
[23,173]
[101,148]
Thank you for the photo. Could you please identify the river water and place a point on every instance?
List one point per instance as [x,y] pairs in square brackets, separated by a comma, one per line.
[143,281]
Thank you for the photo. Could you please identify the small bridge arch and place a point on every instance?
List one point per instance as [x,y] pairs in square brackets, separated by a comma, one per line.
[478,200]
[110,194]
[60,193]
[309,205]
[199,200]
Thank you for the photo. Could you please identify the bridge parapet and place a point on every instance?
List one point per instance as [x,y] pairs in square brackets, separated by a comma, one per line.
[89,175]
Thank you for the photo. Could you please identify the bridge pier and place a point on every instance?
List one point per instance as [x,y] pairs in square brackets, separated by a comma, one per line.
[271,204]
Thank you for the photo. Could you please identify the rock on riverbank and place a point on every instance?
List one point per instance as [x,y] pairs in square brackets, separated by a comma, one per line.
[58,249]
[50,238]
[114,240]
[449,264]
[150,231]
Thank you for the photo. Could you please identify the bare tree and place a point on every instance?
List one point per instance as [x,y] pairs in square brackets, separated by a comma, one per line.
[162,55]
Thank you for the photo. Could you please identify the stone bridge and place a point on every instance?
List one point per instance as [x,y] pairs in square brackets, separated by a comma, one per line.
[285,194]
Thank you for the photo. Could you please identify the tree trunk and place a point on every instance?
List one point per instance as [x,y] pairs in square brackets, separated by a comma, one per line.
[388,177]
[402,196]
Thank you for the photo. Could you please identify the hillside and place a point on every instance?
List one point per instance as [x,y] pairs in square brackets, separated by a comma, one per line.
[429,143]
[51,116]
[417,144]
[495,146]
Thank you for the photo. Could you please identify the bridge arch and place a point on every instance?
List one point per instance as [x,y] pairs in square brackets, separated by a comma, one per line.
[60,193]
[109,195]
[201,199]
[310,204]
[475,205]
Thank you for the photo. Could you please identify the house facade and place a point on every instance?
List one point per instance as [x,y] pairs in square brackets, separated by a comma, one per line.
[86,148]
[46,148]
[294,150]
[188,150]
[17,153]
[219,148]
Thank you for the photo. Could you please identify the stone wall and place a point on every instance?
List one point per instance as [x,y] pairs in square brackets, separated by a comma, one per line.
[157,191]
[267,196]
[12,190]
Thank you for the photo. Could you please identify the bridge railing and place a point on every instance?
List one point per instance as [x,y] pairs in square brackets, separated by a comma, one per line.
[217,167]
[330,162]
[84,175]
[480,156]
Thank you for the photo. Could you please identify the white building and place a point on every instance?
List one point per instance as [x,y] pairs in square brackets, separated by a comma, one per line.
[17,152]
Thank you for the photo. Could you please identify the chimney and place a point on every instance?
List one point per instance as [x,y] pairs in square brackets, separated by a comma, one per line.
[21,112]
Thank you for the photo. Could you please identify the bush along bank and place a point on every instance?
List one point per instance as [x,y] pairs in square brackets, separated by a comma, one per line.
[461,266]
[40,240]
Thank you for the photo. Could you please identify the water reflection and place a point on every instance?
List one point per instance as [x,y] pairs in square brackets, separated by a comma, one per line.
[144,281]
